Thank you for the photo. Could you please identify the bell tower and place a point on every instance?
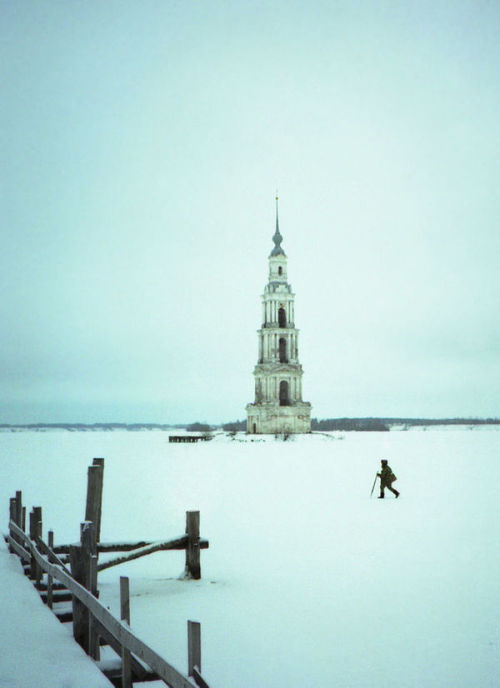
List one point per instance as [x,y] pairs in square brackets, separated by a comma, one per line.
[278,406]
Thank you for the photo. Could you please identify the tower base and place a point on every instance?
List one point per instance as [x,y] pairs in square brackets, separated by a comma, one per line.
[270,419]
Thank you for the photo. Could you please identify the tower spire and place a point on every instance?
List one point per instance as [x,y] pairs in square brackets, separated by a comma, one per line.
[277,238]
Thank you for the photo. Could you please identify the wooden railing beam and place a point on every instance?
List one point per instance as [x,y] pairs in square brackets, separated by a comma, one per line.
[118,629]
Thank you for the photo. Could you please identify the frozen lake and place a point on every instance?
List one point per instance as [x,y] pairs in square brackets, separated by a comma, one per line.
[308,582]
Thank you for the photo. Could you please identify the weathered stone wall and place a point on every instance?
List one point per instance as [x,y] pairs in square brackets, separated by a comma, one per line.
[263,419]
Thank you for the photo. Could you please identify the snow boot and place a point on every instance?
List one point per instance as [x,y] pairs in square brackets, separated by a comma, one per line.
[397,494]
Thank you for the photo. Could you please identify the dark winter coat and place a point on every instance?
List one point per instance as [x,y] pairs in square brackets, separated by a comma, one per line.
[387,477]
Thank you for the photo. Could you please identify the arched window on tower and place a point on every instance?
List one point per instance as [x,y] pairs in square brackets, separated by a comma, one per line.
[284,398]
[280,270]
[282,317]
[283,357]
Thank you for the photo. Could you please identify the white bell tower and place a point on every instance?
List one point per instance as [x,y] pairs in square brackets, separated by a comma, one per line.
[278,406]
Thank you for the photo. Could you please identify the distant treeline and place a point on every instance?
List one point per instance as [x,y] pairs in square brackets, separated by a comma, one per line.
[349,424]
[378,424]
[87,426]
[235,426]
[342,424]
[374,424]
[441,421]
[199,427]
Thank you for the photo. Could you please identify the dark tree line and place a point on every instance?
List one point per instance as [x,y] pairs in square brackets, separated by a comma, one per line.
[349,424]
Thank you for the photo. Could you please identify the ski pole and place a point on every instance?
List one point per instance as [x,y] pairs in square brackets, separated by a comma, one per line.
[373,486]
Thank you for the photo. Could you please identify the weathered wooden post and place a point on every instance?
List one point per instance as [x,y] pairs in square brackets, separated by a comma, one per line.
[93,507]
[12,517]
[89,547]
[37,510]
[35,532]
[84,573]
[125,616]
[19,509]
[193,568]
[194,647]
[32,537]
[16,512]
[50,580]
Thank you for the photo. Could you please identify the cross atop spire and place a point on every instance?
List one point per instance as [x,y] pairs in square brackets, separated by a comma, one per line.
[277,238]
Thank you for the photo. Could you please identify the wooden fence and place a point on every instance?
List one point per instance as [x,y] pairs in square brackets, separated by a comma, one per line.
[93,624]
[189,438]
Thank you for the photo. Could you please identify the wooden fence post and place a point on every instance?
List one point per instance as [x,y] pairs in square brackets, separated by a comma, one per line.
[194,647]
[125,616]
[77,571]
[82,571]
[12,517]
[16,514]
[34,533]
[19,509]
[93,507]
[193,568]
[94,644]
[89,547]
[50,580]
[37,510]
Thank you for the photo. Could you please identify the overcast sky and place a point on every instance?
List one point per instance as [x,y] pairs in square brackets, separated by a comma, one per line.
[141,147]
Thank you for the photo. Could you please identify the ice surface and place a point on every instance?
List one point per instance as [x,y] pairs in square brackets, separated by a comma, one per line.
[308,581]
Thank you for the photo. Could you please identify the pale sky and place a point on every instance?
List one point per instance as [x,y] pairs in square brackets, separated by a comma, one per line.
[141,147]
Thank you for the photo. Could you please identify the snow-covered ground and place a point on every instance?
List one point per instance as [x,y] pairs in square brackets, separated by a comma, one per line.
[36,651]
[308,581]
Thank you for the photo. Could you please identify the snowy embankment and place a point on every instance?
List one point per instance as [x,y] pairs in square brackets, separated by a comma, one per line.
[308,581]
[36,651]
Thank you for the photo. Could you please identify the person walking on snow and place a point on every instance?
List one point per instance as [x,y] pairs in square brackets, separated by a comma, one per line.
[387,477]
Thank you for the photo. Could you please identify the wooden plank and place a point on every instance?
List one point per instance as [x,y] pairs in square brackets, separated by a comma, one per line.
[200,681]
[103,547]
[24,554]
[107,547]
[139,671]
[49,552]
[64,615]
[116,628]
[57,596]
[178,543]
[18,532]
[194,646]
[193,567]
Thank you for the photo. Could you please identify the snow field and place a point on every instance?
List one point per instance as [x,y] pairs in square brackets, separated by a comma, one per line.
[36,651]
[308,581]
